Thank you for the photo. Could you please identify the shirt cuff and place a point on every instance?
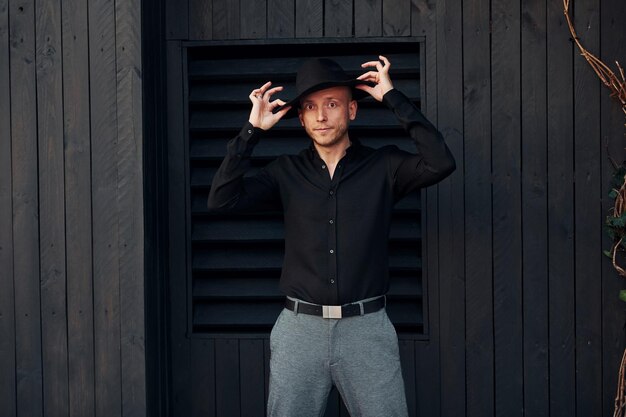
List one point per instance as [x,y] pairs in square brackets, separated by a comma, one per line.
[393,98]
[250,133]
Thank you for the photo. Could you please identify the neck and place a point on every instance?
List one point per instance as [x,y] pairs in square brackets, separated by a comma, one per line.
[331,155]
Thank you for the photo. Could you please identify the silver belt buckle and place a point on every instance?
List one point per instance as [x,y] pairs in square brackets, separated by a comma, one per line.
[331,312]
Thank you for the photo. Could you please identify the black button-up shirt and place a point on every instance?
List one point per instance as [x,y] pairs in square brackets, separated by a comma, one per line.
[336,230]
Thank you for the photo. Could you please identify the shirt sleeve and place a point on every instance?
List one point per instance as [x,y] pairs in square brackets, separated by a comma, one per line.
[432,161]
[231,190]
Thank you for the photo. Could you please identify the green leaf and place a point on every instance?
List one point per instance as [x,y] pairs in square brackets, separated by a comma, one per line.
[622,295]
[613,193]
[608,254]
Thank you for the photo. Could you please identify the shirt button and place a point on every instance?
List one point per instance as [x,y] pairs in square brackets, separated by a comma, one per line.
[250,131]
[332,251]
[332,281]
[332,192]
[331,221]
[323,166]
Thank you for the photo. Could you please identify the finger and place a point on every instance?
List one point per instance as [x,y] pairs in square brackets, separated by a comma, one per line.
[370,64]
[369,76]
[269,93]
[280,113]
[385,60]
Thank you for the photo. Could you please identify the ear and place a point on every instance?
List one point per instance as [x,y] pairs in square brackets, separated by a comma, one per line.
[301,117]
[352,108]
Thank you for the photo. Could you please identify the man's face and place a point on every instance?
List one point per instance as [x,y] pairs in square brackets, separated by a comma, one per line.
[325,115]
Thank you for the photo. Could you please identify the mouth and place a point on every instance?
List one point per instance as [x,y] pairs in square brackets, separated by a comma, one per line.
[322,129]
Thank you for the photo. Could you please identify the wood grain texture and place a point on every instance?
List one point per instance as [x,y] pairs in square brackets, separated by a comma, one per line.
[253,19]
[178,17]
[478,216]
[507,224]
[78,234]
[368,18]
[226,20]
[534,208]
[281,18]
[25,198]
[309,18]
[422,17]
[7,301]
[227,369]
[203,378]
[129,159]
[451,228]
[106,211]
[396,17]
[200,19]
[588,215]
[252,377]
[52,208]
[561,265]
[338,18]
[613,39]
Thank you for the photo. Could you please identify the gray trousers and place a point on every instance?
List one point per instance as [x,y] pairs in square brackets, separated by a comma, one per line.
[359,355]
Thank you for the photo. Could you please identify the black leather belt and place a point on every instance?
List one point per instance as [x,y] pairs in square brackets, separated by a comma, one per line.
[336,312]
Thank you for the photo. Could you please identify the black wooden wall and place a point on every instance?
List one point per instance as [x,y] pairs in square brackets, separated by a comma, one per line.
[524,316]
[71,209]
[523,310]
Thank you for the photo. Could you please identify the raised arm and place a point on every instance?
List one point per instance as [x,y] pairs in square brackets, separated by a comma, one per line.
[230,190]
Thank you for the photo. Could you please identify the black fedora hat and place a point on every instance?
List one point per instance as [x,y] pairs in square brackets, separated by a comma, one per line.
[317,74]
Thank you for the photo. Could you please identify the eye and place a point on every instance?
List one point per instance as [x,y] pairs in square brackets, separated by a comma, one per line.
[308,106]
[332,105]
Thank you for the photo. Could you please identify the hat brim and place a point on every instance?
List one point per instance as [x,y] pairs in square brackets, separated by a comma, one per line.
[295,102]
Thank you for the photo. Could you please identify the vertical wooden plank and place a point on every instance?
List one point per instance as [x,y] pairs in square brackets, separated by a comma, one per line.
[588,154]
[7,305]
[451,214]
[338,18]
[52,202]
[25,209]
[177,19]
[227,365]
[478,215]
[253,19]
[129,159]
[252,377]
[180,347]
[203,381]
[560,213]
[266,355]
[78,209]
[613,39]
[534,208]
[368,19]
[104,154]
[409,374]
[507,227]
[396,17]
[422,17]
[280,18]
[309,19]
[200,19]
[226,23]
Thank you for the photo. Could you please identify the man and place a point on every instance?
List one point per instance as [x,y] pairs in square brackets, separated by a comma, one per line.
[337,197]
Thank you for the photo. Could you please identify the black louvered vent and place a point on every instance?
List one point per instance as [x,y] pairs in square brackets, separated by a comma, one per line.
[236,259]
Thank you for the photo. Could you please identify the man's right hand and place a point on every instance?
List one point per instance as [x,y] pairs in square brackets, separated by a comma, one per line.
[261,115]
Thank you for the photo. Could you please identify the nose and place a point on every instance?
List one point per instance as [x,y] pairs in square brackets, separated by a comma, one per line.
[321,114]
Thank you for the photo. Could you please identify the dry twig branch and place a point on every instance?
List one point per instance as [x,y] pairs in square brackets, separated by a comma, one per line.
[618,91]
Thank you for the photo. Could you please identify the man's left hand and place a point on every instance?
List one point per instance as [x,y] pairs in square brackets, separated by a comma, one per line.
[380,77]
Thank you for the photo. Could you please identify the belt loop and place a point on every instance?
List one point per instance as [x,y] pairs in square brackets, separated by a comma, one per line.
[362,308]
[295,306]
